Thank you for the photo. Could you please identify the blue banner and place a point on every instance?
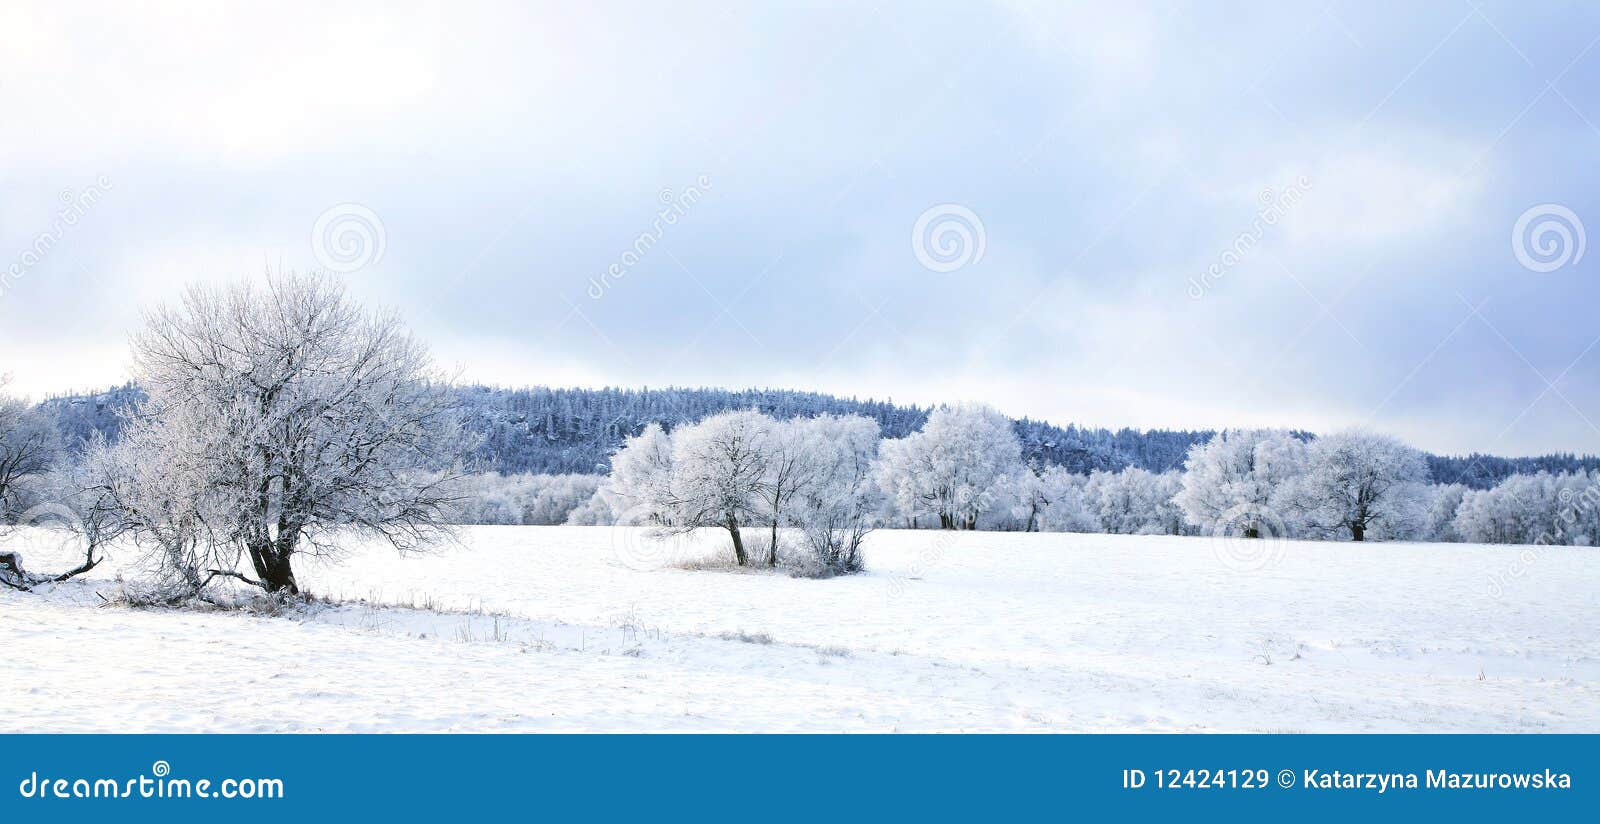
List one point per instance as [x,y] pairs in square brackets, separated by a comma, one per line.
[260,778]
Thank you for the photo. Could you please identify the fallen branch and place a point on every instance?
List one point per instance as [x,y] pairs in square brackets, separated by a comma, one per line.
[11,567]
[90,563]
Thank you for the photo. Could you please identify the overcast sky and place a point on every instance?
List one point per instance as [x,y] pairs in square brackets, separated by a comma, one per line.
[1179,215]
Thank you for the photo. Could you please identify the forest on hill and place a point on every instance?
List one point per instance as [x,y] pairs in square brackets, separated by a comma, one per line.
[565,431]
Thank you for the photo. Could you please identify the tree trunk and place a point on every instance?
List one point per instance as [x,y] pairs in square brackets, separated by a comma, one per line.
[738,541]
[273,567]
[278,574]
[1358,532]
[772,555]
[1252,531]
[258,557]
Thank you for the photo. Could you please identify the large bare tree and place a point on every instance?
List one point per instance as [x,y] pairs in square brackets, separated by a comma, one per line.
[308,419]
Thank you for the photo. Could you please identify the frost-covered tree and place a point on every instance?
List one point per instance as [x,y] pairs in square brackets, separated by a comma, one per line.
[29,444]
[323,420]
[548,500]
[641,479]
[163,484]
[1066,502]
[957,467]
[1515,511]
[793,459]
[1030,497]
[599,510]
[1363,484]
[719,472]
[906,480]
[1119,500]
[1444,501]
[1239,479]
[530,500]
[836,500]
[1578,520]
[1135,502]
[1167,517]
[736,469]
[1541,508]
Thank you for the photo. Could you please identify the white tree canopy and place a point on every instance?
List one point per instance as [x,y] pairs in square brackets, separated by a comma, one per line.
[719,470]
[318,418]
[1360,483]
[958,466]
[1237,481]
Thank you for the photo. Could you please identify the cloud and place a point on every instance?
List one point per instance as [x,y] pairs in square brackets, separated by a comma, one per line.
[1404,190]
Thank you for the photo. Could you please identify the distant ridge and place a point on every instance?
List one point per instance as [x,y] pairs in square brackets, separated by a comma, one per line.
[565,431]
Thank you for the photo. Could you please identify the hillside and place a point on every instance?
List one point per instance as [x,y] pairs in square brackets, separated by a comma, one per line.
[562,431]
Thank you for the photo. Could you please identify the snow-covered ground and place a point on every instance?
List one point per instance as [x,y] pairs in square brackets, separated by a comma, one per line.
[591,628]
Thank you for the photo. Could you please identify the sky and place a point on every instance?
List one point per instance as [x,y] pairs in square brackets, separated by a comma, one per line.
[1177,214]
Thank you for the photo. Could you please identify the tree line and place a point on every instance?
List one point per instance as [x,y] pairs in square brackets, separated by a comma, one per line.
[575,431]
[965,470]
[274,419]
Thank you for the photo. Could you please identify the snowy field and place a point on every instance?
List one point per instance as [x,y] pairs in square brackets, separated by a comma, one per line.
[599,629]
